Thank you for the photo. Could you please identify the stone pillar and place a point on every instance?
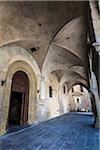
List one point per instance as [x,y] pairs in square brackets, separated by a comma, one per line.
[97,47]
[99,4]
[96,25]
[60,99]
[95,91]
[42,109]
[96,20]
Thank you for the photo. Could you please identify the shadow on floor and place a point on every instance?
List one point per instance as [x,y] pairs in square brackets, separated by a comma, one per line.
[16,128]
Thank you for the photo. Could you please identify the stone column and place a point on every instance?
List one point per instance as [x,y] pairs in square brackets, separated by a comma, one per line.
[99,4]
[96,25]
[95,20]
[42,112]
[95,90]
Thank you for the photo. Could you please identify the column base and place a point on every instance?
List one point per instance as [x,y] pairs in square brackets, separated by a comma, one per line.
[2,128]
[2,132]
[97,123]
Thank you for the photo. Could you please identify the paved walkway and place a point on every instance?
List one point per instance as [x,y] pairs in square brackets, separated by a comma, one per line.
[67,132]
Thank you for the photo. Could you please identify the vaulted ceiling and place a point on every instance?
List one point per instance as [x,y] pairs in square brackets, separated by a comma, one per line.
[57,30]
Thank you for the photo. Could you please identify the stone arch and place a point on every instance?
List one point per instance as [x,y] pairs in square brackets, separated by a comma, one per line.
[23,66]
[10,54]
[79,83]
[83,95]
[16,58]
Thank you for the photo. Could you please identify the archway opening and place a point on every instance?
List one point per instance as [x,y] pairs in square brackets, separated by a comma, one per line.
[80,100]
[19,100]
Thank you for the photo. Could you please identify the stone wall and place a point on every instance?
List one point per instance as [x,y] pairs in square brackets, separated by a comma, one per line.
[15,59]
[41,106]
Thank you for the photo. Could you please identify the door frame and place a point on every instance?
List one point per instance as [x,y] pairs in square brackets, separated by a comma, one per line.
[33,73]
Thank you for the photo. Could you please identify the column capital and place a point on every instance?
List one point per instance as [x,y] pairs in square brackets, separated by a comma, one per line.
[97,46]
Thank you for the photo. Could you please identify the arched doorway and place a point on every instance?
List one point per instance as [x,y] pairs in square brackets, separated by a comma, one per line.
[19,100]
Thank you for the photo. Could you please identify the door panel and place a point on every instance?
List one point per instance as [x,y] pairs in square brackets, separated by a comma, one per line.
[15,108]
[19,100]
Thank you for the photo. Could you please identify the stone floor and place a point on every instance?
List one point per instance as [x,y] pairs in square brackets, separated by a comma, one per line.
[67,132]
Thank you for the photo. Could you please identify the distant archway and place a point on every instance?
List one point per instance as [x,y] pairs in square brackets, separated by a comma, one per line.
[80,98]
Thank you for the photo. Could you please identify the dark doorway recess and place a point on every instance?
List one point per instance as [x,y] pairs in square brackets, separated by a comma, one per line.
[19,100]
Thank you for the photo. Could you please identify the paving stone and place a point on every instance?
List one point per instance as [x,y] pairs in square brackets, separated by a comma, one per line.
[67,132]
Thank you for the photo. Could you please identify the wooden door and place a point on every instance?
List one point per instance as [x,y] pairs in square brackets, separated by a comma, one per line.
[19,100]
